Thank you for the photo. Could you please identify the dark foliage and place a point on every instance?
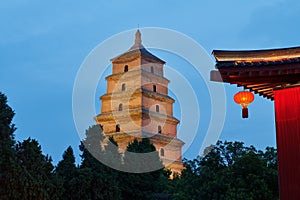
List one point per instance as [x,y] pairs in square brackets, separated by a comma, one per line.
[25,173]
[38,179]
[102,180]
[230,171]
[141,185]
[9,169]
[67,171]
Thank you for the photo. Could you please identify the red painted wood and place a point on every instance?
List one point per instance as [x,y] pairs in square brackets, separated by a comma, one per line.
[287,111]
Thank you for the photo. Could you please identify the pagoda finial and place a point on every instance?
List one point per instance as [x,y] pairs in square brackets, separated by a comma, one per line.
[138,40]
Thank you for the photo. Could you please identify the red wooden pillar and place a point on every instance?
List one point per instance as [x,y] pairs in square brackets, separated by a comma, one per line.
[287,111]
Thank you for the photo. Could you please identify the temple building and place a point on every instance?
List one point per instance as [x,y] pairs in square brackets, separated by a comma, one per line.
[136,104]
[273,74]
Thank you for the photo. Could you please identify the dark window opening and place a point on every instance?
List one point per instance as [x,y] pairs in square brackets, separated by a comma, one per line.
[159,129]
[154,88]
[120,107]
[118,128]
[152,69]
[162,152]
[123,87]
[126,68]
[157,108]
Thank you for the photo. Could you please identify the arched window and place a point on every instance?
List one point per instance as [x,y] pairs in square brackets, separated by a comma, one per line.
[126,68]
[123,87]
[118,128]
[159,129]
[154,88]
[120,107]
[157,108]
[162,152]
[152,69]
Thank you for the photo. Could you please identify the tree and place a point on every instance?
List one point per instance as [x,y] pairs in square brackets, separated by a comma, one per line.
[103,180]
[9,169]
[66,169]
[39,181]
[141,185]
[25,173]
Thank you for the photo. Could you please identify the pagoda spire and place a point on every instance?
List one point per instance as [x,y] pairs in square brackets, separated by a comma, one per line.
[138,39]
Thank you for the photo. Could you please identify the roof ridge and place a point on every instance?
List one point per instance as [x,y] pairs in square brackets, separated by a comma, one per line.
[256,55]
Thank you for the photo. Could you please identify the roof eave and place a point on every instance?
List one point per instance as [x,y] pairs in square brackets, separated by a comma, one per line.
[256,55]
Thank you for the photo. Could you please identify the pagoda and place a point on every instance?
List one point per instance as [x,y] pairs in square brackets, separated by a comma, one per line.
[137,104]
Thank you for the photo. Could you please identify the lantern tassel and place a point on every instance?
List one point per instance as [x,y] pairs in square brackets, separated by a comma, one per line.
[245,112]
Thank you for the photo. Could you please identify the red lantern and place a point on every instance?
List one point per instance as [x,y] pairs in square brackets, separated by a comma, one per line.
[244,98]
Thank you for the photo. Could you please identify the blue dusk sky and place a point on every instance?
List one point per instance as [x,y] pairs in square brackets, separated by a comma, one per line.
[43,44]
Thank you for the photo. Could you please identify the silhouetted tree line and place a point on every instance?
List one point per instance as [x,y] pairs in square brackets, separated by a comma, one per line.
[228,171]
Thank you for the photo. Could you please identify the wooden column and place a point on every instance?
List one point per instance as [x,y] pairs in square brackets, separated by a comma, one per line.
[287,111]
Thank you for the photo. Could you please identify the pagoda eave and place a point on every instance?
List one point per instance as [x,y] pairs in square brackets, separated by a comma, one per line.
[259,77]
[133,73]
[161,138]
[138,92]
[134,113]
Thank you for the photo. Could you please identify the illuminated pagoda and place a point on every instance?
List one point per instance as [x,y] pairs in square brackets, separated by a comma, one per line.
[273,74]
[137,104]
